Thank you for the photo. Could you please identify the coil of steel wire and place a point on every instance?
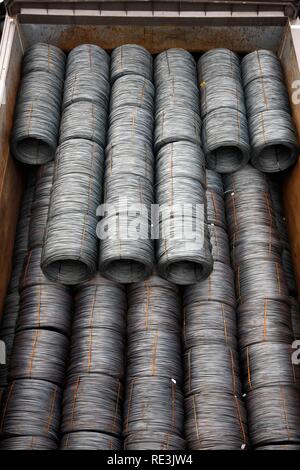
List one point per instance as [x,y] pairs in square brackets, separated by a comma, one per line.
[86,86]
[31,408]
[273,140]
[131,59]
[10,311]
[132,90]
[209,322]
[16,275]
[130,124]
[273,415]
[49,90]
[90,58]
[45,306]
[218,287]
[79,156]
[92,127]
[92,403]
[267,364]
[153,441]
[261,63]
[266,94]
[213,367]
[226,140]
[22,237]
[221,92]
[121,193]
[171,191]
[219,63]
[246,180]
[28,443]
[89,441]
[32,273]
[214,182]
[46,58]
[215,209]
[174,91]
[215,421]
[136,159]
[279,447]
[175,63]
[295,314]
[264,320]
[288,269]
[220,244]
[153,404]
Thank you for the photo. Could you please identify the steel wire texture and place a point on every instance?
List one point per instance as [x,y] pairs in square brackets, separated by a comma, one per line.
[266,94]
[28,443]
[154,441]
[90,441]
[132,90]
[85,85]
[130,124]
[221,92]
[261,63]
[215,209]
[177,92]
[279,447]
[219,62]
[246,180]
[175,63]
[288,268]
[131,59]
[10,311]
[88,57]
[135,159]
[219,244]
[42,57]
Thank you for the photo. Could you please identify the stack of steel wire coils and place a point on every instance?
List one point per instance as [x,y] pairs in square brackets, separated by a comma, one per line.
[183,247]
[37,113]
[93,396]
[126,246]
[215,413]
[153,414]
[271,127]
[225,127]
[71,247]
[270,379]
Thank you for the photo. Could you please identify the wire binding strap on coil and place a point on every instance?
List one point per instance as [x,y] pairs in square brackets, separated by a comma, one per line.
[154,441]
[28,443]
[261,63]
[221,92]
[215,209]
[136,160]
[175,91]
[175,63]
[46,58]
[218,63]
[88,58]
[219,243]
[130,124]
[266,94]
[131,59]
[132,90]
[86,86]
[32,274]
[246,180]
[89,441]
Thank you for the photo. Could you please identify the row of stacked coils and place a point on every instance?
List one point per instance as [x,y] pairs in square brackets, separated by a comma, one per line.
[126,358]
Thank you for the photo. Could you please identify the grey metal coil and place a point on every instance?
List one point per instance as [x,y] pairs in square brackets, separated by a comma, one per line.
[31,408]
[134,159]
[153,404]
[37,227]
[173,124]
[218,287]
[17,271]
[209,322]
[131,59]
[88,57]
[260,280]
[273,415]
[261,63]
[273,140]
[92,402]
[32,274]
[215,209]
[132,90]
[264,94]
[288,268]
[246,180]
[221,92]
[218,62]
[39,354]
[130,124]
[175,91]
[215,421]
[205,370]
[84,120]
[214,182]
[10,311]
[268,364]
[48,91]
[89,441]
[121,193]
[278,447]
[46,58]
[45,306]
[295,314]
[172,191]
[86,86]
[226,140]
[28,443]
[262,321]
[220,244]
[175,63]
[21,238]
[153,441]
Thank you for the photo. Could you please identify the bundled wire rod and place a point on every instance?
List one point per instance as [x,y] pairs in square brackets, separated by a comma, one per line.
[209,322]
[89,441]
[221,92]
[215,421]
[295,314]
[175,63]
[84,120]
[174,91]
[279,447]
[46,58]
[268,363]
[31,408]
[132,90]
[153,441]
[215,209]
[88,58]
[154,353]
[261,64]
[288,268]
[28,443]
[264,321]
[264,94]
[273,140]
[153,404]
[220,244]
[130,124]
[10,312]
[172,191]
[218,287]
[39,354]
[174,124]
[17,271]
[260,280]
[246,180]
[92,402]
[136,160]
[22,238]
[45,306]
[32,274]
[226,140]
[214,182]
[49,90]
[213,367]
[86,86]
[218,63]
[274,415]
[123,192]
[131,59]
